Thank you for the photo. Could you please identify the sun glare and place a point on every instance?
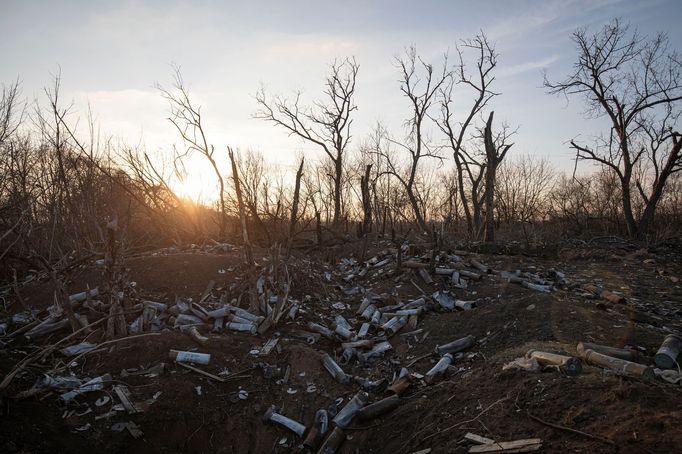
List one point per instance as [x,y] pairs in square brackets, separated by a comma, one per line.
[196,187]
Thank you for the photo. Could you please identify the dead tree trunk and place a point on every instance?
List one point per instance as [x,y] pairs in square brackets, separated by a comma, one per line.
[116,324]
[248,252]
[318,227]
[294,209]
[366,202]
[494,153]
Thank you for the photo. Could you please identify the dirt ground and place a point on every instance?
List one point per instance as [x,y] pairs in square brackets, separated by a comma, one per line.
[614,414]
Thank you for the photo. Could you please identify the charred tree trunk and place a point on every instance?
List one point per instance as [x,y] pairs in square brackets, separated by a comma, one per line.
[294,209]
[318,227]
[366,202]
[248,252]
[116,324]
[495,153]
[338,174]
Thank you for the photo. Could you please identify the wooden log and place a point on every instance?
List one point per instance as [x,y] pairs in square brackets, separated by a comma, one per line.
[570,365]
[620,366]
[622,353]
[666,356]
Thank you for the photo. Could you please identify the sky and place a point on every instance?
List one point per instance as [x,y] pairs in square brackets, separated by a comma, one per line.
[112,53]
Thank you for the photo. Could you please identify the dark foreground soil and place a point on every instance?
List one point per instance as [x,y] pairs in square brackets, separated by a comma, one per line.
[615,414]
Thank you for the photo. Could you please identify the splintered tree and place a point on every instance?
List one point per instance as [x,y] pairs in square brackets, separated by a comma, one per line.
[496,148]
[470,168]
[636,84]
[365,187]
[326,123]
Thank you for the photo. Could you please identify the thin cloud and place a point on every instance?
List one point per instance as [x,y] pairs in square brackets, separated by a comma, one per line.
[307,46]
[521,68]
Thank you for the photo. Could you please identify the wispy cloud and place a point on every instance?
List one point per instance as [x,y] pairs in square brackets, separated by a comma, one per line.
[521,68]
[298,45]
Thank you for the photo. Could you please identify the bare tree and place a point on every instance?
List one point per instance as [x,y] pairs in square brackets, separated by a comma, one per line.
[636,84]
[187,119]
[371,153]
[326,124]
[496,148]
[419,83]
[11,111]
[458,133]
[522,189]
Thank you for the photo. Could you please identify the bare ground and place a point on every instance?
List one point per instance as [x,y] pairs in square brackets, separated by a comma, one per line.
[617,414]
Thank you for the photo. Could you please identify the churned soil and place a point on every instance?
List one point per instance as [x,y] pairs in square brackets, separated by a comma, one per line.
[189,412]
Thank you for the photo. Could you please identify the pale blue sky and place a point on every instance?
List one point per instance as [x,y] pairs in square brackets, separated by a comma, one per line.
[111,53]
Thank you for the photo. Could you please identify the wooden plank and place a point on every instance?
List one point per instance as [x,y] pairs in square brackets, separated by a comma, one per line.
[125,398]
[269,345]
[526,445]
[478,439]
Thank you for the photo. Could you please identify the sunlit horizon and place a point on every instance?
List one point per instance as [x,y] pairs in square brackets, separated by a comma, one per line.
[225,62]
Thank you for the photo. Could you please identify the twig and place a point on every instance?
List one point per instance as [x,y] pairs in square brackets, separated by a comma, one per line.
[41,354]
[238,372]
[202,372]
[467,421]
[23,329]
[418,288]
[113,341]
[568,429]
[373,426]
[416,360]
